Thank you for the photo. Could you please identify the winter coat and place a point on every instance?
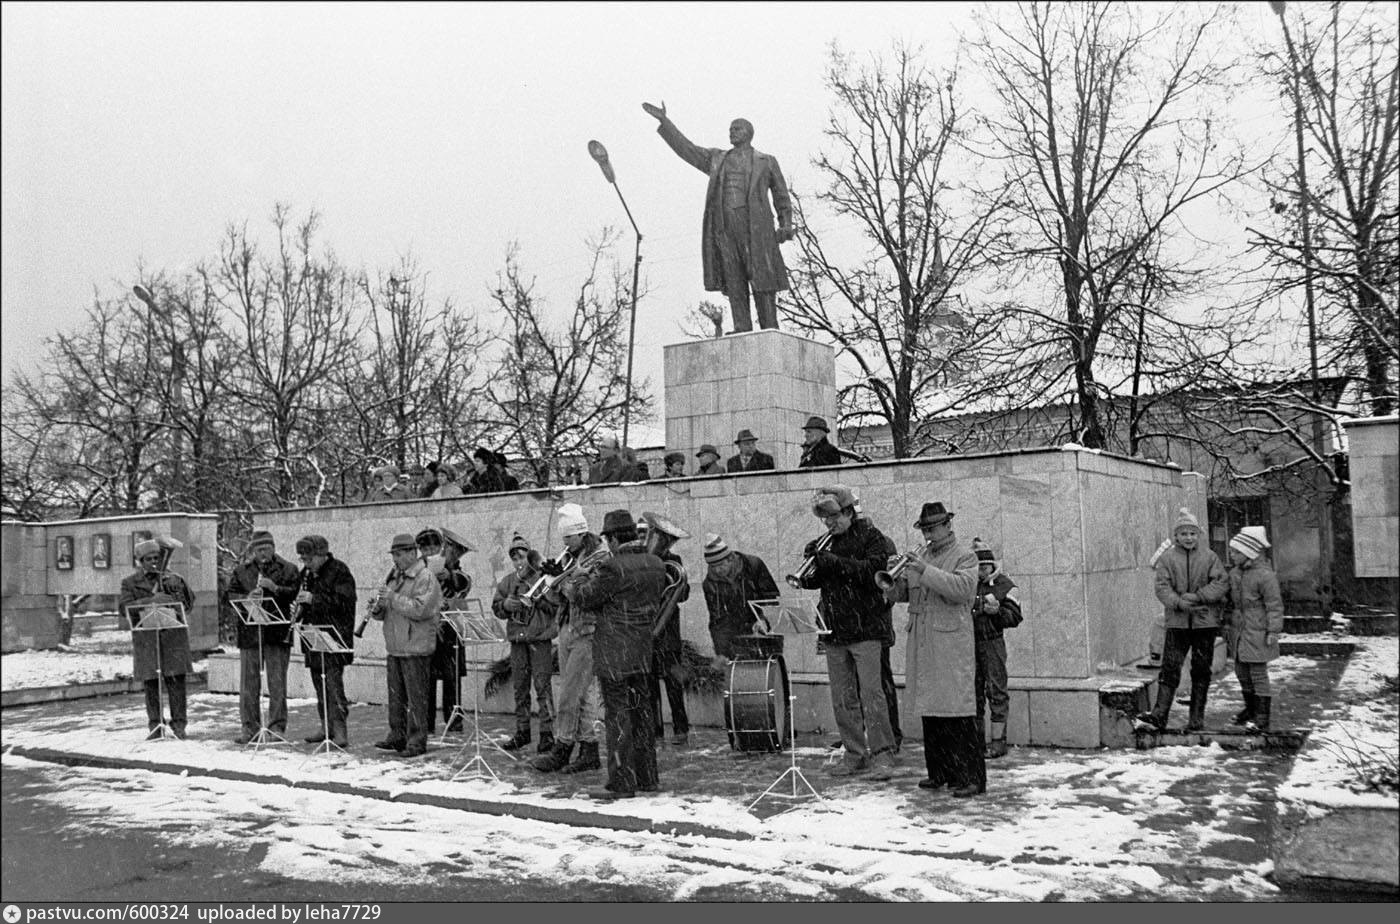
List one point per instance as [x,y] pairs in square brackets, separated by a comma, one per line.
[454,585]
[1008,614]
[244,581]
[1256,618]
[527,624]
[1198,571]
[729,586]
[714,468]
[332,604]
[941,655]
[583,619]
[767,271]
[625,590]
[397,493]
[174,655]
[851,605]
[669,638]
[611,470]
[758,462]
[411,611]
[447,489]
[819,453]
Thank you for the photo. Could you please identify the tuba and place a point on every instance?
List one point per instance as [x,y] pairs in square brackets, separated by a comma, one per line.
[887,579]
[809,564]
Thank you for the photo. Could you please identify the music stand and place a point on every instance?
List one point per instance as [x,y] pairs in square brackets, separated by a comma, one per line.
[155,617]
[797,617]
[323,640]
[258,610]
[476,628]
[456,618]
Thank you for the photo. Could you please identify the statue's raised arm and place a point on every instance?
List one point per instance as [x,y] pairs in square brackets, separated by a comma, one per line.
[739,239]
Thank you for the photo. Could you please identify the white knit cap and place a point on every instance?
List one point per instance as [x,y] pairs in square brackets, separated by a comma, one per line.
[1184,518]
[1250,541]
[571,520]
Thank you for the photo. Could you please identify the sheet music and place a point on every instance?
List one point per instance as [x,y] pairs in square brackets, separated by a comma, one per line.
[259,611]
[472,623]
[788,617]
[158,615]
[323,639]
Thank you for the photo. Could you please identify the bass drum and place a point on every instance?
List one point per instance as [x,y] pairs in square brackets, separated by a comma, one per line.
[756,705]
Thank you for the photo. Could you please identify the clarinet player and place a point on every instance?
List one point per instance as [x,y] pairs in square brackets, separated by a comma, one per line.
[327,598]
[264,647]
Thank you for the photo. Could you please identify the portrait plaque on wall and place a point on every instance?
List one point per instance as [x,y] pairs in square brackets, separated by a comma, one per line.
[102,551]
[63,553]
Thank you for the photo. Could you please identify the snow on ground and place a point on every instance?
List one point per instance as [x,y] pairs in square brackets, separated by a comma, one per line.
[102,655]
[1325,772]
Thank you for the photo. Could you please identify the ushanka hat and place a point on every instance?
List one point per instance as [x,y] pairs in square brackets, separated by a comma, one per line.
[832,499]
[313,545]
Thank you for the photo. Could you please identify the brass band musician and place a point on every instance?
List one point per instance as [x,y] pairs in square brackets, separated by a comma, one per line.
[159,653]
[666,663]
[264,647]
[530,627]
[449,658]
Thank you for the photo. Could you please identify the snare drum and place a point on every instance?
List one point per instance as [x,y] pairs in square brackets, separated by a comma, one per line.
[756,705]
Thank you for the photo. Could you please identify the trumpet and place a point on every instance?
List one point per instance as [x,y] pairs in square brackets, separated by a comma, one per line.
[809,564]
[565,560]
[887,579]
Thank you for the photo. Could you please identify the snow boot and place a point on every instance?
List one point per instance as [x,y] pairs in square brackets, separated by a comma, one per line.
[997,747]
[1196,718]
[1156,720]
[518,741]
[546,743]
[1260,723]
[1244,716]
[556,759]
[587,759]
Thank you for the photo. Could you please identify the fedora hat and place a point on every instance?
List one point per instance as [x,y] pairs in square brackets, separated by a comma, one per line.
[707,448]
[744,435]
[932,515]
[816,423]
[619,520]
[403,542]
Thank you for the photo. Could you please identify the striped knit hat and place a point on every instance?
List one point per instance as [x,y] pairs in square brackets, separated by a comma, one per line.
[716,549]
[984,553]
[1250,541]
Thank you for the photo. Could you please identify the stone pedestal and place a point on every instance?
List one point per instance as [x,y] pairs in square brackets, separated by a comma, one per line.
[768,381]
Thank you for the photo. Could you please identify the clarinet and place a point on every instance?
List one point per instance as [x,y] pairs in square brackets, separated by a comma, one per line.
[371,606]
[295,612]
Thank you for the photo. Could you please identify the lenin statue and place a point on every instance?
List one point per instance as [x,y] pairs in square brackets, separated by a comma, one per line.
[739,244]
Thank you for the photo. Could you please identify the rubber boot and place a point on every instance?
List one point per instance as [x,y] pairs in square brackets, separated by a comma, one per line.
[518,741]
[1157,718]
[587,758]
[1196,718]
[1244,715]
[997,746]
[556,759]
[1260,722]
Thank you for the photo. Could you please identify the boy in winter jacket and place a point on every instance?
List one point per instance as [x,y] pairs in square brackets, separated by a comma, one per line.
[1191,584]
[994,609]
[530,627]
[1253,626]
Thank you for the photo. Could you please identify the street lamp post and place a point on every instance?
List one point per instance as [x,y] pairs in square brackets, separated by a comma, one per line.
[600,154]
[177,376]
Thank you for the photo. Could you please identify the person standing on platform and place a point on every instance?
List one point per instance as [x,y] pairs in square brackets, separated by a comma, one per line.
[410,606]
[158,654]
[327,599]
[264,647]
[709,461]
[675,465]
[816,449]
[748,458]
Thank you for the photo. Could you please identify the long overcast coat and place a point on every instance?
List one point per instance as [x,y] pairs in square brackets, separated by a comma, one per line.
[941,658]
[765,260]
[174,658]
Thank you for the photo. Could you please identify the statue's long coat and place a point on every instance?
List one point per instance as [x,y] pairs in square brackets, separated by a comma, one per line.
[765,260]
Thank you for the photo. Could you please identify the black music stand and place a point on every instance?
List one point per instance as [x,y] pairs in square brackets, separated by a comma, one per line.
[258,610]
[155,618]
[477,628]
[323,640]
[798,617]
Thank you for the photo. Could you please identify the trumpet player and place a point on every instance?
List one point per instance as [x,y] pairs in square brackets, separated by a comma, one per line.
[855,610]
[410,606]
[264,647]
[939,582]
[579,707]
[530,627]
[327,598]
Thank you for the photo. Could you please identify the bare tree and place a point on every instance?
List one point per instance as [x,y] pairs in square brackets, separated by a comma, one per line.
[557,386]
[1107,136]
[893,131]
[704,321]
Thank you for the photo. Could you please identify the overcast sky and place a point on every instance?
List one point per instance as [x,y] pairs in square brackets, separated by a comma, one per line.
[138,131]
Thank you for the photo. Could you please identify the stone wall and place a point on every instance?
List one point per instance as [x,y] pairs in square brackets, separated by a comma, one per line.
[1374,448]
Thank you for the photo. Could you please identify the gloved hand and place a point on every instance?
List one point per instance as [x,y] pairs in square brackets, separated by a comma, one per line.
[512,605]
[551,568]
[829,562]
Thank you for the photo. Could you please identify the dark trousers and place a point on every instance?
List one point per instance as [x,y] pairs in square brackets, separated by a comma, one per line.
[331,706]
[445,669]
[891,695]
[990,680]
[410,700]
[174,692]
[1201,644]
[631,744]
[666,667]
[275,659]
[953,751]
[532,663]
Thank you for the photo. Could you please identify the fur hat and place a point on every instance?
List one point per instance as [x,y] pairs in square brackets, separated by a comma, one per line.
[932,515]
[674,457]
[313,545]
[518,543]
[984,553]
[147,547]
[716,549]
[619,520]
[832,499]
[449,536]
[1184,518]
[261,538]
[571,520]
[1250,541]
[403,542]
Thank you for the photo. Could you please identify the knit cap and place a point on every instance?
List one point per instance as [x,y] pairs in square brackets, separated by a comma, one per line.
[571,520]
[1250,541]
[519,542]
[1184,518]
[716,549]
[984,553]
